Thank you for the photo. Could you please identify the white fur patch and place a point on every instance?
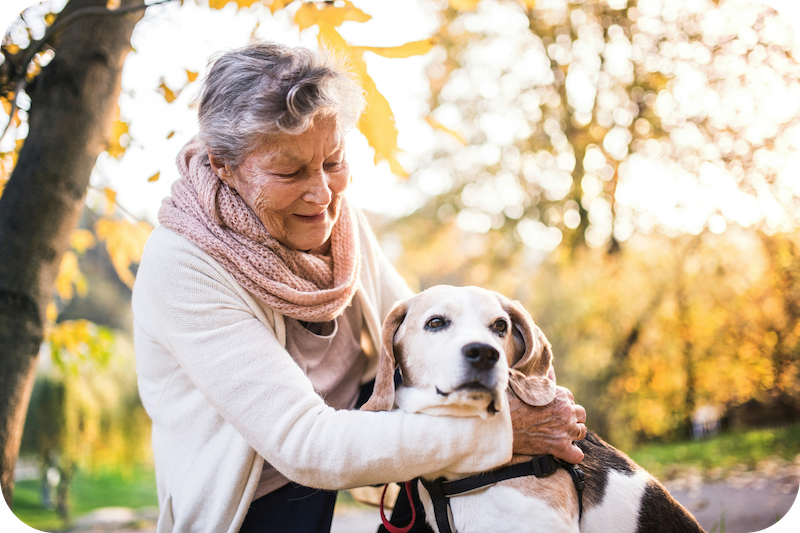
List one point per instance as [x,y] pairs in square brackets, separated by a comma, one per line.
[620,507]
[500,509]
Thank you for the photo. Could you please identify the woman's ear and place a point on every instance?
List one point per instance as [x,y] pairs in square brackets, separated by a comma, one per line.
[528,374]
[222,170]
[382,398]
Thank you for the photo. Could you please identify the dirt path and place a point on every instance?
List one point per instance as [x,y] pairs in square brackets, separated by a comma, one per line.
[739,500]
[743,508]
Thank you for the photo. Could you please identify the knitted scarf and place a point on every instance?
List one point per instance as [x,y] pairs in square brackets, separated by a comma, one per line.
[314,286]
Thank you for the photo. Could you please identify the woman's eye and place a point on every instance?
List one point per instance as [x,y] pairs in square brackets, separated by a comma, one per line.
[288,174]
[436,322]
[500,326]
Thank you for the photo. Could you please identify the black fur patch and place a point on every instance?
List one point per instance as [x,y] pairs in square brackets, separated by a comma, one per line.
[601,458]
[660,513]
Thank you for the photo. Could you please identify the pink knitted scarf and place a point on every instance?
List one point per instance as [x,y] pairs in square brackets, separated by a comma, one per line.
[314,286]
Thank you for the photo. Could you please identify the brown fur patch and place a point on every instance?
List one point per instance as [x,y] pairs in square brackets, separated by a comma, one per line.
[382,398]
[557,490]
[528,376]
[406,370]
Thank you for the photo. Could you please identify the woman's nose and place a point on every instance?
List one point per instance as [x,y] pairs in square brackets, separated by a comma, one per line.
[319,190]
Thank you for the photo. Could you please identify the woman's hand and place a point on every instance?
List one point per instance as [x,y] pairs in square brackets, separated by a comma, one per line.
[549,429]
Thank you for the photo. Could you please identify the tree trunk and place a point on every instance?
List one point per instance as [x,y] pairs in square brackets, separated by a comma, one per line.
[73,104]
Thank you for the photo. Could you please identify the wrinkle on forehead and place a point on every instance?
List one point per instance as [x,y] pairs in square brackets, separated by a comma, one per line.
[287,146]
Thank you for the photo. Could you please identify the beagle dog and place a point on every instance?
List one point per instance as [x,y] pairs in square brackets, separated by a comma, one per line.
[460,351]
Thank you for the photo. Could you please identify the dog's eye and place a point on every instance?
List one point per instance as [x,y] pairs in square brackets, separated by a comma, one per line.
[500,327]
[435,323]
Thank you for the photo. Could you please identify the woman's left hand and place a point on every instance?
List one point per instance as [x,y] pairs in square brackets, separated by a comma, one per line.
[549,429]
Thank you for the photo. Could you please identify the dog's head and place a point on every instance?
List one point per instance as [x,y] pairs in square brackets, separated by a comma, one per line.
[458,349]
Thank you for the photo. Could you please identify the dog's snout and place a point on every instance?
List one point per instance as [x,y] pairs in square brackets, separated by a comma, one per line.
[480,356]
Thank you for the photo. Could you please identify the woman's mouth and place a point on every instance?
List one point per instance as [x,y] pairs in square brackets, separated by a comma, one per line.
[319,217]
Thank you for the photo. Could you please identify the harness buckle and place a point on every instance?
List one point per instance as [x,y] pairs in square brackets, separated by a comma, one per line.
[580,484]
[434,488]
[543,465]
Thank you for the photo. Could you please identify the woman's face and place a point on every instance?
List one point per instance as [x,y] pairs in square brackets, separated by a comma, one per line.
[295,184]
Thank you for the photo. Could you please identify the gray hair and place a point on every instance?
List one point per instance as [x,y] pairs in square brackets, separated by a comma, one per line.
[266,89]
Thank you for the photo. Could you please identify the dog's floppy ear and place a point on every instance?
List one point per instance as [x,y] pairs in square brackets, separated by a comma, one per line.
[528,373]
[382,398]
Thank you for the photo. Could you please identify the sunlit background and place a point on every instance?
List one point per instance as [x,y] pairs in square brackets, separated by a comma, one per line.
[629,170]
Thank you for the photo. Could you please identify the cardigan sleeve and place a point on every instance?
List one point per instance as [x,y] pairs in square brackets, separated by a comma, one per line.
[184,301]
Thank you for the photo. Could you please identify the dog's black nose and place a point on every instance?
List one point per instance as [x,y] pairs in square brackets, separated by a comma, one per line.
[480,356]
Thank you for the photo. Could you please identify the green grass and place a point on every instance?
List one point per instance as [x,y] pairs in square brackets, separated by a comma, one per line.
[108,489]
[721,524]
[726,451]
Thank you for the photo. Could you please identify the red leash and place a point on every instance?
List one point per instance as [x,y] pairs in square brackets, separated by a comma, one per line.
[390,527]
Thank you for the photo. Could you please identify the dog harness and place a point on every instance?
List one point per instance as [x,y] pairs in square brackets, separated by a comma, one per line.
[541,466]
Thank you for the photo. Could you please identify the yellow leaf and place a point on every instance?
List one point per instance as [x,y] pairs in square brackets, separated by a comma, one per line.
[11,48]
[124,244]
[51,313]
[377,122]
[276,5]
[67,335]
[463,5]
[170,134]
[168,94]
[117,143]
[312,13]
[219,4]
[377,125]
[8,160]
[416,48]
[69,275]
[154,177]
[111,199]
[529,3]
[81,240]
[76,341]
[191,75]
[34,69]
[435,124]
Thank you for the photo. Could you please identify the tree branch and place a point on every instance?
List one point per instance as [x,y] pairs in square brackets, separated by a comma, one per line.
[19,82]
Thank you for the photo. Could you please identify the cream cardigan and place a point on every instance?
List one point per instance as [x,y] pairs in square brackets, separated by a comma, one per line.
[223,393]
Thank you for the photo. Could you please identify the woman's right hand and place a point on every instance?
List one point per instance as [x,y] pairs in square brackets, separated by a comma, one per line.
[549,429]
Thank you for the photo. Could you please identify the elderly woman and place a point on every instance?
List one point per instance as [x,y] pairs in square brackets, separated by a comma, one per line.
[257,308]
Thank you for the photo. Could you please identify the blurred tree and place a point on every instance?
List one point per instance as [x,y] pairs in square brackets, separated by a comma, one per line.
[574,112]
[784,320]
[72,78]
[85,414]
[572,130]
